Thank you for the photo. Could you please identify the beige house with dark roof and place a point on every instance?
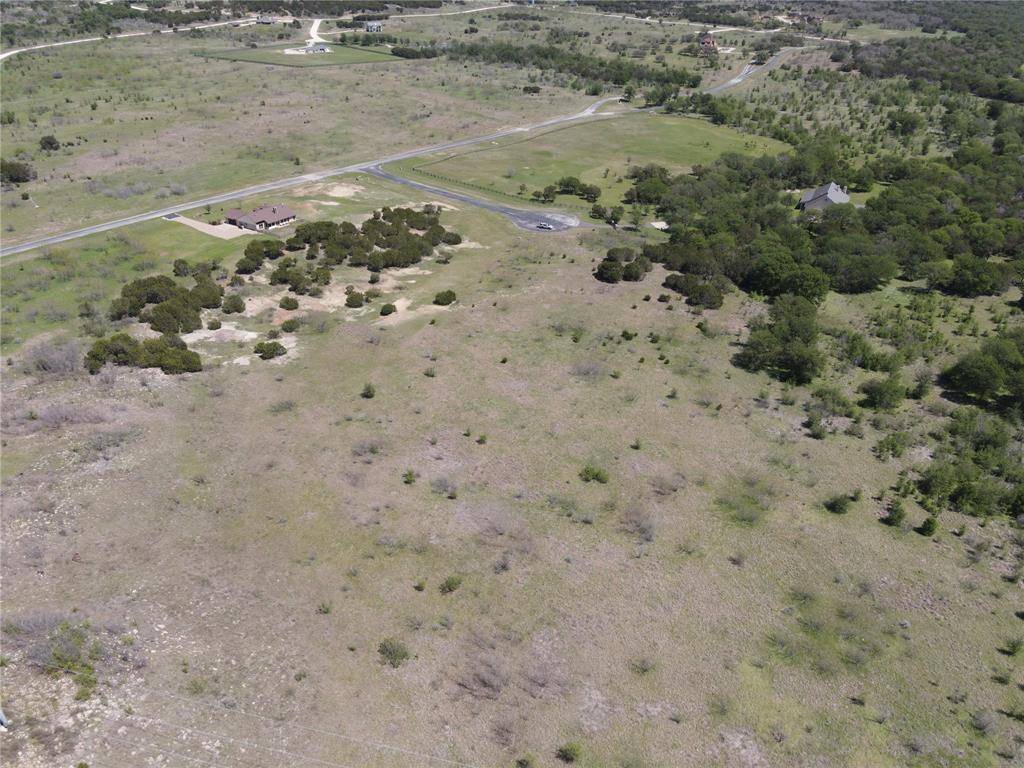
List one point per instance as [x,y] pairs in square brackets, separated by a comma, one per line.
[264,217]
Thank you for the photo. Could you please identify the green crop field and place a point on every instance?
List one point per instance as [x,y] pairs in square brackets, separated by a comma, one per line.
[338,55]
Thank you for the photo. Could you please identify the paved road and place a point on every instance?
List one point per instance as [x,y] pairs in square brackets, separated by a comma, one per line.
[521,217]
[294,181]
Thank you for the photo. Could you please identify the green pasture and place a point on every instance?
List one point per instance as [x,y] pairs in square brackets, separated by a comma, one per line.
[598,152]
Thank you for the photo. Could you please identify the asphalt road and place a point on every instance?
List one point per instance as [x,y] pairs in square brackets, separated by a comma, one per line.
[522,218]
[294,181]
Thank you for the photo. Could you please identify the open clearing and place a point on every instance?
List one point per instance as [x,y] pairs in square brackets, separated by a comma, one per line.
[485,510]
[338,55]
[567,588]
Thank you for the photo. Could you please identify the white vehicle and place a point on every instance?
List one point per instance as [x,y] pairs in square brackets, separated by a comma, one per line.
[544,225]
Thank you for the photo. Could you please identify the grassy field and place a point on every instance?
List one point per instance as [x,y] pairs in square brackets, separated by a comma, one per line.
[701,607]
[551,519]
[591,151]
[875,33]
[149,123]
[338,55]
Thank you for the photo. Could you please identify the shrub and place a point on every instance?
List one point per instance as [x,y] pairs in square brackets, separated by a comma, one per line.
[267,350]
[214,324]
[289,302]
[609,271]
[450,584]
[53,359]
[884,394]
[444,298]
[354,300]
[168,353]
[895,514]
[569,752]
[233,304]
[590,472]
[928,527]
[369,391]
[393,652]
[838,505]
[14,172]
[388,309]
[290,326]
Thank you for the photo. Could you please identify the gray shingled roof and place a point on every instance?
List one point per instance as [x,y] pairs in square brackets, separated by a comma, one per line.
[832,191]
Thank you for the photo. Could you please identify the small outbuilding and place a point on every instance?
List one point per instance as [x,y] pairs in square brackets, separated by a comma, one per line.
[822,197]
[708,46]
[374,26]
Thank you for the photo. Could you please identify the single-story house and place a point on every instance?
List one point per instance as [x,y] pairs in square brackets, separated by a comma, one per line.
[823,197]
[316,48]
[264,217]
[374,26]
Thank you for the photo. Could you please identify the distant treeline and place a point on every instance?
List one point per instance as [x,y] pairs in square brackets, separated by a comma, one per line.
[88,19]
[986,60]
[593,68]
[321,7]
[733,15]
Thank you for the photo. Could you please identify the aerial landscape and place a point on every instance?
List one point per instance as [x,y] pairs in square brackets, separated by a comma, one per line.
[483,384]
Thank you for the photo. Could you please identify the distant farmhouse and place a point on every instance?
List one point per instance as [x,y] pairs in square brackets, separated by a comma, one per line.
[821,198]
[264,217]
[316,48]
[374,26]
[708,46]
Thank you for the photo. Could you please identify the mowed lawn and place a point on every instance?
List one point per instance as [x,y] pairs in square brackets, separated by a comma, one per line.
[598,152]
[339,54]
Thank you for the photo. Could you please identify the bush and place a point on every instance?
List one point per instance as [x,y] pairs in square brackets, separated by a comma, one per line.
[233,304]
[49,143]
[895,514]
[388,309]
[928,527]
[290,326]
[838,505]
[214,324]
[444,298]
[369,391]
[14,172]
[354,300]
[53,359]
[393,652]
[569,752]
[884,394]
[450,584]
[289,302]
[267,350]
[168,353]
[609,271]
[590,472]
